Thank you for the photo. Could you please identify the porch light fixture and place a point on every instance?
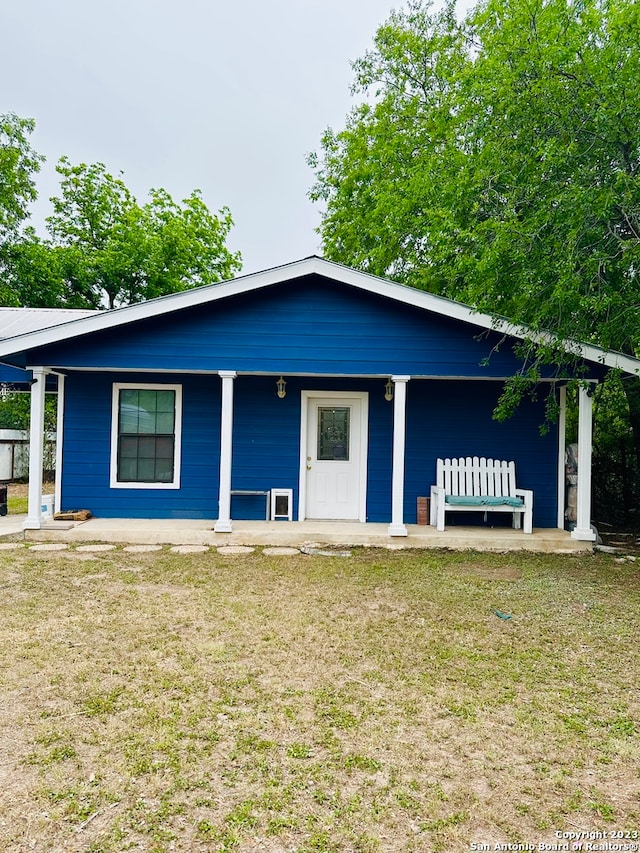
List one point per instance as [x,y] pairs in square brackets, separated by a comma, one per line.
[388,390]
[281,385]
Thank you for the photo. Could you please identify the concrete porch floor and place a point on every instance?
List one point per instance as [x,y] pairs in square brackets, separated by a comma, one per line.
[294,533]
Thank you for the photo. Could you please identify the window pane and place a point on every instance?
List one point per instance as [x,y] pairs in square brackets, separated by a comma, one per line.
[165,401]
[127,470]
[164,471]
[146,447]
[333,433]
[164,447]
[146,471]
[129,447]
[164,422]
[147,400]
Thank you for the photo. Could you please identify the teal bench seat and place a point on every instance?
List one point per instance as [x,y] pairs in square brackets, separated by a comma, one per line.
[482,500]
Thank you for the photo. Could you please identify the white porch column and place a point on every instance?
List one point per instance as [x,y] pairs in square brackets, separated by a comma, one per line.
[562,449]
[223,524]
[397,526]
[583,529]
[33,521]
[59,440]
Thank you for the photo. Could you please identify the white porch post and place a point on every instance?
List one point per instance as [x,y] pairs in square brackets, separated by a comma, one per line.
[583,529]
[562,449]
[223,524]
[33,521]
[397,526]
[59,440]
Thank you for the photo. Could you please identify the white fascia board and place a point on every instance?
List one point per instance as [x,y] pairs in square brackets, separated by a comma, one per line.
[589,352]
[288,272]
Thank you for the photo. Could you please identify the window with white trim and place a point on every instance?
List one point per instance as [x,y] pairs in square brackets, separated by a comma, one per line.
[145,436]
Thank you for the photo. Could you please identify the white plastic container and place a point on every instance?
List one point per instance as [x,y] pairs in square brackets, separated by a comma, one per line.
[47,507]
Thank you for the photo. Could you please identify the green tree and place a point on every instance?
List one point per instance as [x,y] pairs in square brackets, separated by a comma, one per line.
[496,160]
[104,248]
[15,411]
[19,162]
[122,252]
[42,275]
[186,244]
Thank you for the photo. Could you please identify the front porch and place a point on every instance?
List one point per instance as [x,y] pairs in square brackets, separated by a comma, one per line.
[262,441]
[301,533]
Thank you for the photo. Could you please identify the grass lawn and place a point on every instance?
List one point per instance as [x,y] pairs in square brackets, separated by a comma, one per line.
[164,702]
[17,505]
[18,496]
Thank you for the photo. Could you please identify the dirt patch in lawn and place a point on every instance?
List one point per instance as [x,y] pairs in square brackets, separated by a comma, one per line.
[498,571]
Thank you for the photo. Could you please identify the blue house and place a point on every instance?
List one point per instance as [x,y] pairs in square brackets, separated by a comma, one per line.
[339,388]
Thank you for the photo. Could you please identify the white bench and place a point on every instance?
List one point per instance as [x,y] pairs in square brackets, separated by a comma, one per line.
[479,485]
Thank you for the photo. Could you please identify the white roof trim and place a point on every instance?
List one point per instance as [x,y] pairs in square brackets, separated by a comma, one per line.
[289,272]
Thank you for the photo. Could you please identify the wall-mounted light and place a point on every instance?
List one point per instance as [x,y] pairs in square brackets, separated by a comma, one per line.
[388,390]
[281,385]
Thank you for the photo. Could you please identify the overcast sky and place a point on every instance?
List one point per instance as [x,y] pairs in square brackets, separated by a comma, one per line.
[225,97]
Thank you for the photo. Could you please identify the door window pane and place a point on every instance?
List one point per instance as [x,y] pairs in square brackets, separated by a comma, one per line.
[333,433]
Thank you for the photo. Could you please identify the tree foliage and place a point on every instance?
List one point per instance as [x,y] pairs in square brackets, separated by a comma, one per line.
[106,248]
[18,164]
[496,160]
[15,409]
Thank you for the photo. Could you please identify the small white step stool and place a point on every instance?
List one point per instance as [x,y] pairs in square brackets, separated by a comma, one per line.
[282,504]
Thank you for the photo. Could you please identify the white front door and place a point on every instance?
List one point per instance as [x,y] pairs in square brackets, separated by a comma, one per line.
[334,467]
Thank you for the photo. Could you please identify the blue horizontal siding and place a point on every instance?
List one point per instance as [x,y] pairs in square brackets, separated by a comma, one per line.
[448,419]
[87,447]
[443,419]
[14,375]
[266,440]
[309,326]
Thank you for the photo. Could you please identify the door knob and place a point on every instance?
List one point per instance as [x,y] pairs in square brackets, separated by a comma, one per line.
[308,467]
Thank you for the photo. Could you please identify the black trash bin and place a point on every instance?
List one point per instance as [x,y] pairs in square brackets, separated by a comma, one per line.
[3,498]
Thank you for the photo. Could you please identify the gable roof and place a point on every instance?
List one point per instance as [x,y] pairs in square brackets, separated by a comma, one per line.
[68,329]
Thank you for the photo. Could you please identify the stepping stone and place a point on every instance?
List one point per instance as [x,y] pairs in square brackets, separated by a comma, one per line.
[50,546]
[235,549]
[90,548]
[142,549]
[280,551]
[9,546]
[189,549]
[323,552]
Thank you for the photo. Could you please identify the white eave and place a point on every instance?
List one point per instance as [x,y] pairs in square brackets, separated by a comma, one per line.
[104,320]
